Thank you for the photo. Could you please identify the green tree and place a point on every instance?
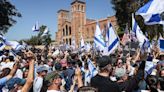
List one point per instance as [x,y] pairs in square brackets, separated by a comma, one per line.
[39,39]
[124,10]
[46,39]
[7,14]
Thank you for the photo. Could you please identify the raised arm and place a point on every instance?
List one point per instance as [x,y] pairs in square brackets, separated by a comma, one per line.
[13,71]
[30,76]
[79,77]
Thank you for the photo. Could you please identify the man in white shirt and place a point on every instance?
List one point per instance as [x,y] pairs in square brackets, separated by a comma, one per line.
[38,82]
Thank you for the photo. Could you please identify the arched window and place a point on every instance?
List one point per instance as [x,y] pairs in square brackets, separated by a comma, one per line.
[104,26]
[63,32]
[66,30]
[78,7]
[82,8]
[87,32]
[69,30]
[93,31]
[70,41]
[66,41]
[63,40]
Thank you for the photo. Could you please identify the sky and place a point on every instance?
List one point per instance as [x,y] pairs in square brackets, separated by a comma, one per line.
[45,12]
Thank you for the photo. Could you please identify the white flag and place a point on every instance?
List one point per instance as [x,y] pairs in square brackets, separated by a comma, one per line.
[152,11]
[98,38]
[91,68]
[112,40]
[2,45]
[82,45]
[35,28]
[45,32]
[143,40]
[14,44]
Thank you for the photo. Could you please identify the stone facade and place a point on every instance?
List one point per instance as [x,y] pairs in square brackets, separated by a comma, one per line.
[72,24]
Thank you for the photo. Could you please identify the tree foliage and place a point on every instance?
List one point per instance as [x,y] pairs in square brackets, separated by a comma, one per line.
[39,39]
[7,14]
[124,10]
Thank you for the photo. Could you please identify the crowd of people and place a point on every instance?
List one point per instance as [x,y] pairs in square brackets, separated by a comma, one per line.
[54,70]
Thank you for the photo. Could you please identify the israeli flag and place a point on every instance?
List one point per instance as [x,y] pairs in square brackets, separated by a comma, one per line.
[82,44]
[92,69]
[161,44]
[24,44]
[45,32]
[88,47]
[143,40]
[2,45]
[112,40]
[14,44]
[98,38]
[2,38]
[152,12]
[149,66]
[35,28]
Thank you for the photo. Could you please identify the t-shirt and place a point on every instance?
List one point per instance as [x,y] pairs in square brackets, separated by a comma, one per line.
[19,74]
[38,82]
[7,65]
[104,84]
[3,81]
[53,91]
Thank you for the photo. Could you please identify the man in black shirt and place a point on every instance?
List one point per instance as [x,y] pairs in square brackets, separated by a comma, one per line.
[103,83]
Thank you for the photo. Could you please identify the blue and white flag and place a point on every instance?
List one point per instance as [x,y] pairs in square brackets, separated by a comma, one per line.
[2,45]
[82,44]
[45,32]
[14,44]
[112,40]
[24,45]
[92,69]
[161,44]
[152,11]
[88,47]
[2,38]
[149,66]
[98,38]
[35,28]
[143,41]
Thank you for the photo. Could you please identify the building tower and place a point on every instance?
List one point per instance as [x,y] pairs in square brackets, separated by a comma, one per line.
[63,15]
[78,20]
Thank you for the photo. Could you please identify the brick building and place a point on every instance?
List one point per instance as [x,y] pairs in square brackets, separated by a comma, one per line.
[72,24]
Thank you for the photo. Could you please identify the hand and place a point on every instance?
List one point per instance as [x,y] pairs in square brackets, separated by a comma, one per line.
[78,71]
[17,59]
[66,53]
[30,56]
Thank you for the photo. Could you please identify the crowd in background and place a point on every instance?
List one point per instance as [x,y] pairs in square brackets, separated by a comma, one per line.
[54,70]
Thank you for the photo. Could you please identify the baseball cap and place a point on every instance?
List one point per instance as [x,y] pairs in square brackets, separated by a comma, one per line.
[42,68]
[103,61]
[119,72]
[53,75]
